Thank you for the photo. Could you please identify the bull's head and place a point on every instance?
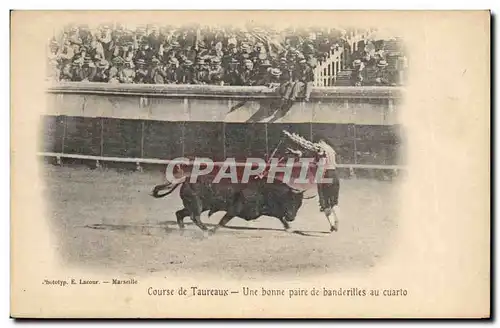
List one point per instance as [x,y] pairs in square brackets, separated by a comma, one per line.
[293,206]
[295,202]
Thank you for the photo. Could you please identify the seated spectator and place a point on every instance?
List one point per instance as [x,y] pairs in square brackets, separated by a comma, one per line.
[216,73]
[357,73]
[102,67]
[262,76]
[274,79]
[156,75]
[231,73]
[141,72]
[88,70]
[115,70]
[381,74]
[186,72]
[306,79]
[217,50]
[247,74]
[368,60]
[201,72]
[76,70]
[127,74]
[172,71]
[95,49]
[379,55]
[65,53]
[302,78]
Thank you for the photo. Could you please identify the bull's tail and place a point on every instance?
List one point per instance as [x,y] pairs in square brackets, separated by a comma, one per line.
[158,188]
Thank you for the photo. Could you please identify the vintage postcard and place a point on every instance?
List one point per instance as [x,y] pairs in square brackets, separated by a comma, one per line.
[250,164]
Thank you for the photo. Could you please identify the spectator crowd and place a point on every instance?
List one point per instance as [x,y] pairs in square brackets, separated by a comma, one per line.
[186,55]
[206,55]
[380,62]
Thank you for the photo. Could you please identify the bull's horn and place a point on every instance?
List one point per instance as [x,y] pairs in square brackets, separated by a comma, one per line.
[297,191]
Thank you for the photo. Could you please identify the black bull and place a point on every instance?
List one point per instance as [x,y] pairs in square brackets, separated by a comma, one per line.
[248,201]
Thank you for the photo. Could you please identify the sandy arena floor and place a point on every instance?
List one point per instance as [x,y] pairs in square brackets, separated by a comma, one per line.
[106,218]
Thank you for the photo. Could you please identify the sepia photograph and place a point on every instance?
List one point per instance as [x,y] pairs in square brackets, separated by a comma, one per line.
[233,164]
[125,101]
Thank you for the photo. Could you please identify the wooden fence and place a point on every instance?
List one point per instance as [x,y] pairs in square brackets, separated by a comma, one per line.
[73,129]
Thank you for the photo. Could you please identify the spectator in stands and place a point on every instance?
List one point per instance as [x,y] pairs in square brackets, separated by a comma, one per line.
[262,75]
[286,72]
[76,71]
[285,79]
[127,74]
[368,60]
[303,78]
[115,70]
[216,51]
[275,80]
[201,72]
[145,52]
[231,73]
[306,79]
[186,72]
[66,53]
[357,73]
[381,74]
[102,67]
[379,55]
[172,72]
[88,71]
[247,74]
[141,73]
[156,75]
[104,37]
[380,63]
[66,72]
[216,73]
[95,49]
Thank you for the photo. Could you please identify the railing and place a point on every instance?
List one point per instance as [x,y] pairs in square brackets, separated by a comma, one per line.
[139,161]
[325,74]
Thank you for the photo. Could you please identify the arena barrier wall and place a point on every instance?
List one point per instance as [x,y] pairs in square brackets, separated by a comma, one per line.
[156,123]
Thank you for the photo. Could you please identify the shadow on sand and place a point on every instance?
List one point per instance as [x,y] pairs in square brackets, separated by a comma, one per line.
[166,225]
